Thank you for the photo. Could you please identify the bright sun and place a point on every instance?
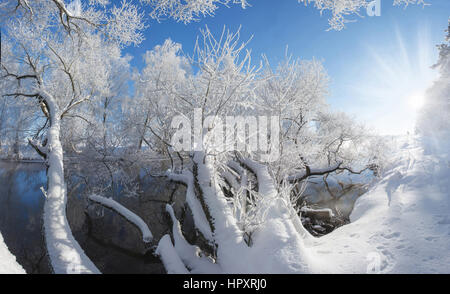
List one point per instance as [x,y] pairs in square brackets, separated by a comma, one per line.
[395,81]
[416,100]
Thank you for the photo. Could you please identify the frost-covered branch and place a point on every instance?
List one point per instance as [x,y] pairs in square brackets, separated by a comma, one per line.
[313,172]
[188,11]
[41,150]
[341,9]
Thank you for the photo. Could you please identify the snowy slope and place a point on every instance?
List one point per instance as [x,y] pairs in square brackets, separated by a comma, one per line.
[401,225]
[8,263]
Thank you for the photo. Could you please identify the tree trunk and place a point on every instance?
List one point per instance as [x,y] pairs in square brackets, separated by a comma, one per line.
[142,138]
[65,253]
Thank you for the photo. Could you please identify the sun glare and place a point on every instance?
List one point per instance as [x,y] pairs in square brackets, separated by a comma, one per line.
[396,81]
[416,100]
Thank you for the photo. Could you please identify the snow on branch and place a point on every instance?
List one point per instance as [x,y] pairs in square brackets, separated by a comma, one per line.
[187,11]
[200,220]
[265,182]
[191,255]
[168,254]
[126,213]
[341,9]
[122,23]
[41,150]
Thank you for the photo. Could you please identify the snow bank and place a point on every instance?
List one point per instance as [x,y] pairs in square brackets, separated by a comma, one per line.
[401,225]
[126,213]
[8,263]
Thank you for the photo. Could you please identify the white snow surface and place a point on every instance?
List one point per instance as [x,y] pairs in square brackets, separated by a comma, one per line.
[401,225]
[8,263]
[169,257]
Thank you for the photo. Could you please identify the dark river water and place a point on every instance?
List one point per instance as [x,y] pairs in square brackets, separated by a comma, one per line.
[112,243]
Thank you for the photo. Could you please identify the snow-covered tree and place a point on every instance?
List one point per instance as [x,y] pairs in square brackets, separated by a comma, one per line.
[60,65]
[433,122]
[295,92]
[237,200]
[157,86]
[187,11]
[340,10]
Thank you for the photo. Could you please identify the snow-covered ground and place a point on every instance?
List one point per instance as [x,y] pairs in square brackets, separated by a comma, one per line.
[8,263]
[401,225]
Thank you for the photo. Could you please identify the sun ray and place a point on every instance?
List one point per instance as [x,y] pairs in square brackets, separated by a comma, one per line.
[395,80]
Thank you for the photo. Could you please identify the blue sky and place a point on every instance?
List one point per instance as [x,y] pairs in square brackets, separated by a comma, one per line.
[379,66]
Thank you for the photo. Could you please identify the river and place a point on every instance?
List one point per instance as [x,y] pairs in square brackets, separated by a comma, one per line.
[111,242]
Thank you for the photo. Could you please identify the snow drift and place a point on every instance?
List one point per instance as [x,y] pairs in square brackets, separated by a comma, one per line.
[8,263]
[401,225]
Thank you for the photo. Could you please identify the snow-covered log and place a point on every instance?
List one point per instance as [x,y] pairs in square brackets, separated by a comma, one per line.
[147,236]
[226,232]
[200,221]
[169,257]
[322,212]
[189,254]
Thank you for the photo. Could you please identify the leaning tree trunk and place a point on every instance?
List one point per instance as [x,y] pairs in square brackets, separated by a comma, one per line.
[65,253]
